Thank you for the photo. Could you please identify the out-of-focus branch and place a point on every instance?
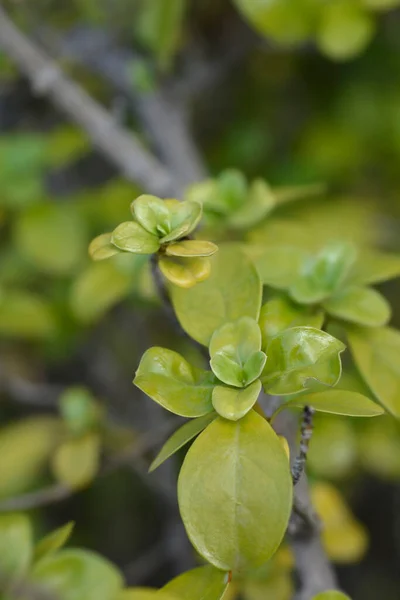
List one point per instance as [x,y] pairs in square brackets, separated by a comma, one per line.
[118,145]
[162,114]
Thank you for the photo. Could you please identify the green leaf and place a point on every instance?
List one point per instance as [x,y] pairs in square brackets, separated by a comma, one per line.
[131,237]
[16,547]
[53,541]
[233,403]
[185,272]
[279,267]
[97,289]
[325,273]
[25,315]
[233,290]
[288,194]
[77,575]
[361,305]
[152,214]
[331,595]
[185,217]
[191,248]
[298,357]
[79,410]
[376,352]
[231,191]
[333,452]
[76,461]
[52,237]
[260,201]
[281,313]
[25,449]
[375,267]
[145,594]
[203,583]
[339,402]
[345,29]
[171,381]
[101,247]
[235,492]
[181,437]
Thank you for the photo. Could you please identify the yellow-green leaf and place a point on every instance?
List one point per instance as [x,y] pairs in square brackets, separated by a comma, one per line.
[171,381]
[25,449]
[375,267]
[361,305]
[145,594]
[152,213]
[331,595]
[376,352]
[279,267]
[340,402]
[233,290]
[203,583]
[234,403]
[53,541]
[76,462]
[185,217]
[191,248]
[281,313]
[25,315]
[333,450]
[235,492]
[77,575]
[260,201]
[101,247]
[185,272]
[182,436]
[16,547]
[299,357]
[131,237]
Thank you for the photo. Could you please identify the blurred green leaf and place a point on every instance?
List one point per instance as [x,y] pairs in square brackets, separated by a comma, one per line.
[361,305]
[376,352]
[241,524]
[233,290]
[78,575]
[76,461]
[101,247]
[191,248]
[333,452]
[152,214]
[181,437]
[16,546]
[375,267]
[331,595]
[25,315]
[339,402]
[171,381]
[53,541]
[185,216]
[206,583]
[279,267]
[281,313]
[79,410]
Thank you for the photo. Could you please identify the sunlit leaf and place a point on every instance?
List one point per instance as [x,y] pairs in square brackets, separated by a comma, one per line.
[53,541]
[260,201]
[375,267]
[234,403]
[16,546]
[191,248]
[233,290]
[181,437]
[152,214]
[339,402]
[205,583]
[281,313]
[145,594]
[77,575]
[185,217]
[279,267]
[376,352]
[331,595]
[131,237]
[361,305]
[185,272]
[76,462]
[171,381]
[298,357]
[101,247]
[241,523]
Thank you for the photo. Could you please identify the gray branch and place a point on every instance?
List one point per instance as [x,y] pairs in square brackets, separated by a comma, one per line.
[120,146]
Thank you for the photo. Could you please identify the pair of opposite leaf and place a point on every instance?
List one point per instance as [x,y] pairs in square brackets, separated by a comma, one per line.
[239,368]
[160,227]
[230,201]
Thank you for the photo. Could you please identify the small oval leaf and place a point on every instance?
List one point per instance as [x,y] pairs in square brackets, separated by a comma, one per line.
[361,305]
[76,461]
[131,237]
[101,247]
[234,403]
[235,492]
[339,402]
[152,214]
[203,583]
[191,248]
[185,272]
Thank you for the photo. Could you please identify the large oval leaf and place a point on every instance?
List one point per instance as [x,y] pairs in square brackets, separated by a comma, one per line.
[361,305]
[171,381]
[203,583]
[339,402]
[299,357]
[16,547]
[376,352]
[375,267]
[233,290]
[181,437]
[235,492]
[278,266]
[281,313]
[78,575]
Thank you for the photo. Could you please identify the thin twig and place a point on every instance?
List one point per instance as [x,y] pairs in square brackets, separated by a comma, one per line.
[117,144]
[306,433]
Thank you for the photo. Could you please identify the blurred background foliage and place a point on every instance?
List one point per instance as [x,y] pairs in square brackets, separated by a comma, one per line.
[314,98]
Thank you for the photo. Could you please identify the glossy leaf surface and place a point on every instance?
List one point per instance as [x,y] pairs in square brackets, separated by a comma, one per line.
[340,402]
[185,272]
[185,217]
[152,214]
[297,357]
[101,247]
[181,437]
[376,353]
[361,305]
[171,381]
[191,248]
[235,492]
[234,403]
[281,313]
[233,290]
[131,237]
